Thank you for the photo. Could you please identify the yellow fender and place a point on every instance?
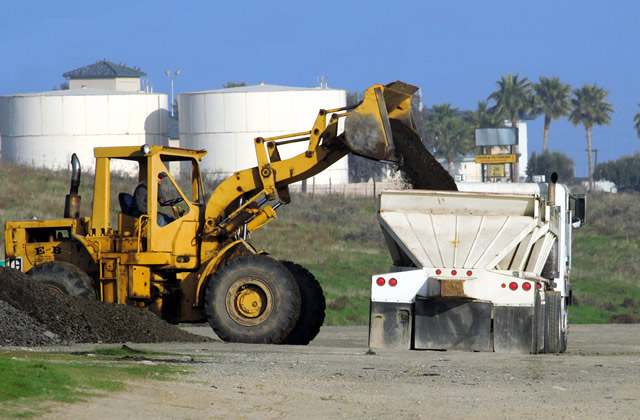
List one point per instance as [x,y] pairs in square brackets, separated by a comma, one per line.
[232,250]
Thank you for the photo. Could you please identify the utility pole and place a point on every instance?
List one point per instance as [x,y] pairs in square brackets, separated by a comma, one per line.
[172,77]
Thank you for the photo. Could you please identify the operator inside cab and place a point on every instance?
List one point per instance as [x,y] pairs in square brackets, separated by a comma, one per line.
[140,200]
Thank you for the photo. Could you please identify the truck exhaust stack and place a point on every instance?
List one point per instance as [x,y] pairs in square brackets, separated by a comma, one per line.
[72,200]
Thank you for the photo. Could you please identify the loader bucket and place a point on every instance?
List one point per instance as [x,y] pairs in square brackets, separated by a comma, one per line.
[367,129]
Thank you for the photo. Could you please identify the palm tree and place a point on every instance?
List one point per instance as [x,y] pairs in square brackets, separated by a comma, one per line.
[456,140]
[551,99]
[637,124]
[451,133]
[588,107]
[513,98]
[432,121]
[483,117]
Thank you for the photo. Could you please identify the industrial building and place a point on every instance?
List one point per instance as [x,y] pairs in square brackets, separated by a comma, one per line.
[226,121]
[109,104]
[44,129]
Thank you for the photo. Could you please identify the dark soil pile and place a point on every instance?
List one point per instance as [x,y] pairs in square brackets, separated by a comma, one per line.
[31,315]
[422,171]
[19,329]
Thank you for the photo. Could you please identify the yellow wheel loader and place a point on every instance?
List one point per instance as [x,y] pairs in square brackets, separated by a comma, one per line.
[196,263]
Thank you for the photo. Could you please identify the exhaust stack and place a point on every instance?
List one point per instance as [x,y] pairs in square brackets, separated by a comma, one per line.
[72,200]
[552,189]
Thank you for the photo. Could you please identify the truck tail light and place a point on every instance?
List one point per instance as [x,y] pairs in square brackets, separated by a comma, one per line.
[438,271]
[526,286]
[454,272]
[393,282]
[380,281]
[469,273]
[513,285]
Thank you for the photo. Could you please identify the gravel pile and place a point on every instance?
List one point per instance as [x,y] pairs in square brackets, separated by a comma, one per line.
[421,170]
[20,329]
[33,315]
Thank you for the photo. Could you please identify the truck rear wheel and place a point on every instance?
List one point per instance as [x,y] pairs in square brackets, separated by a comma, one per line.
[539,326]
[556,324]
[312,306]
[252,299]
[63,277]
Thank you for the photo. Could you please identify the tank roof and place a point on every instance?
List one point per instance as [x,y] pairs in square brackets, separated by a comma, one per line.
[262,87]
[103,69]
[82,92]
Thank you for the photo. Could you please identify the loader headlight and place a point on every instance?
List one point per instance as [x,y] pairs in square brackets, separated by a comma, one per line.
[146,149]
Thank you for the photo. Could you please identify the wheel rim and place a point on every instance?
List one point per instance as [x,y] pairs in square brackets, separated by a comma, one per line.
[55,289]
[249,301]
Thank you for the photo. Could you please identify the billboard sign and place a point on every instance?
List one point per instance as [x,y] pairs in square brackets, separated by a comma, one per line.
[495,158]
[496,136]
[496,171]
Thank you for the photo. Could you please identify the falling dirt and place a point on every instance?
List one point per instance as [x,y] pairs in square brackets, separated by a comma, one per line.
[33,315]
[421,170]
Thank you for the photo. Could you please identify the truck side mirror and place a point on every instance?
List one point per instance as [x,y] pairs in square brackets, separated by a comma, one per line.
[578,207]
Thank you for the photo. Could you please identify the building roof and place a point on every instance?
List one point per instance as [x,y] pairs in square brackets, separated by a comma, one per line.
[80,92]
[262,87]
[103,69]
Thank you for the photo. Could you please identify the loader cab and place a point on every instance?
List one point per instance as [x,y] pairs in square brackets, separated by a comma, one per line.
[177,196]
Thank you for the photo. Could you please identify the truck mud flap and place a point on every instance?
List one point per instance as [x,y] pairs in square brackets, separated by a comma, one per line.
[452,325]
[390,325]
[515,329]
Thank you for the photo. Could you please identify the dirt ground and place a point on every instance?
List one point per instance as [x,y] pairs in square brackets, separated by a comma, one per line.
[334,377]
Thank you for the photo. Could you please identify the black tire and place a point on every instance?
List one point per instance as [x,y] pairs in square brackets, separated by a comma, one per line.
[312,307]
[252,299]
[539,328]
[555,337]
[63,277]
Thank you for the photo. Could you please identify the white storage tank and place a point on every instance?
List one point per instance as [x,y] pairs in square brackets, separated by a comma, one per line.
[45,129]
[226,121]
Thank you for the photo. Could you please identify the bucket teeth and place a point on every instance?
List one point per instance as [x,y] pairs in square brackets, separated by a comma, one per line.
[367,129]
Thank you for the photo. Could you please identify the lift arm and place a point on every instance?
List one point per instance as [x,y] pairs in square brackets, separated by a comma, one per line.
[367,133]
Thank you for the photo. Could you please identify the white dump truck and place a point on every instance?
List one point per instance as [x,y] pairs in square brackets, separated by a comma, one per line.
[485,268]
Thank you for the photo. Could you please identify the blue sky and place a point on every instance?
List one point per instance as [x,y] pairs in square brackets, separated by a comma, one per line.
[454,50]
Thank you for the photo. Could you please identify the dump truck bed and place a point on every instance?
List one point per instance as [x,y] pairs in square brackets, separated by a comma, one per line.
[472,269]
[459,229]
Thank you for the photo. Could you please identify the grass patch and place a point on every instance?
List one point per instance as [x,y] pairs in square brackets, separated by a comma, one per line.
[28,380]
[606,262]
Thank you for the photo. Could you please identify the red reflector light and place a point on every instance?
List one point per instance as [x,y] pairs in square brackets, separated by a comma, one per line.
[504,285]
[538,286]
[469,273]
[438,271]
[513,285]
[526,286]
[393,282]
[380,281]
[454,272]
